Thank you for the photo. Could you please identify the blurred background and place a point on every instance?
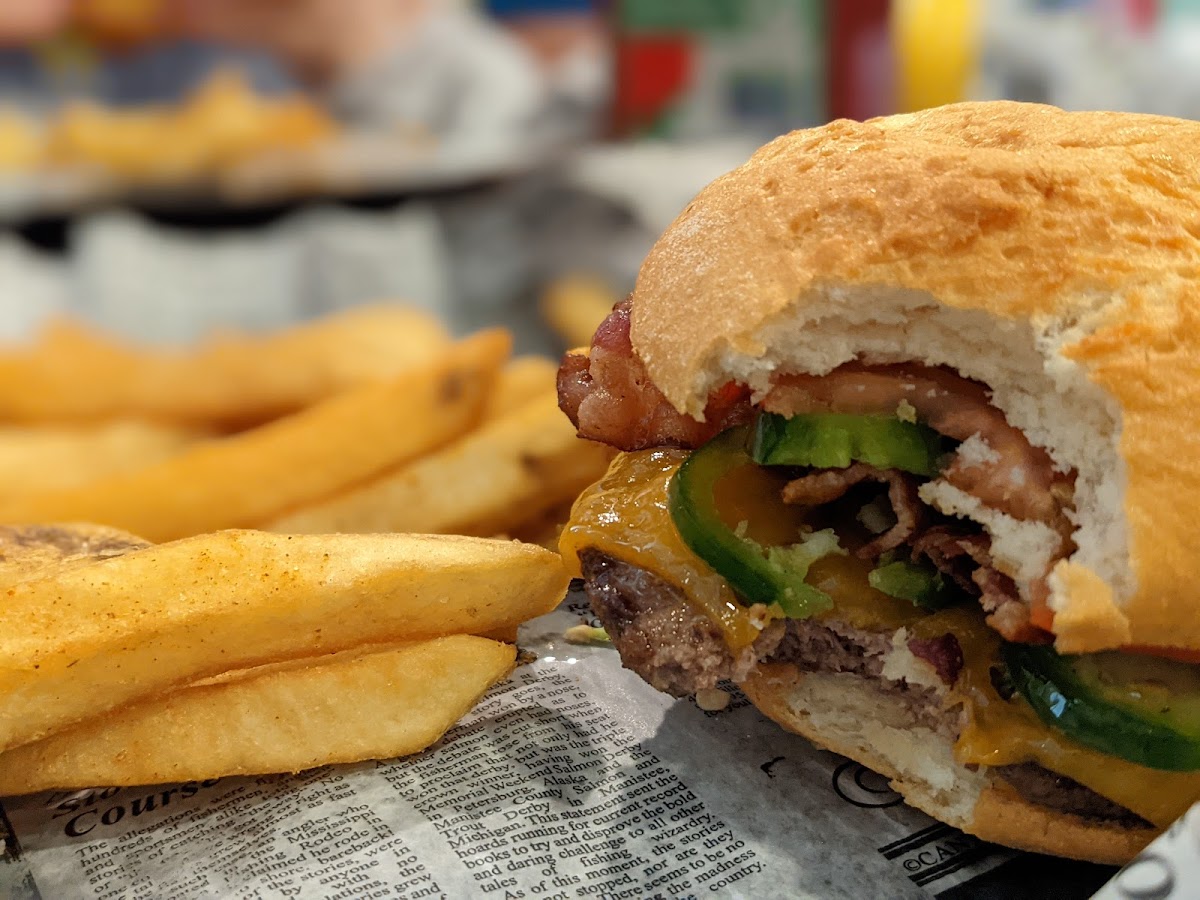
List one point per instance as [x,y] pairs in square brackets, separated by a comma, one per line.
[172,166]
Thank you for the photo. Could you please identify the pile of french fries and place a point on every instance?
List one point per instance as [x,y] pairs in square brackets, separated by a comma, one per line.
[221,125]
[244,652]
[374,420]
[295,595]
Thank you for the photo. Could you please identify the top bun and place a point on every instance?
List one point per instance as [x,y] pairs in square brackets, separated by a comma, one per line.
[1053,256]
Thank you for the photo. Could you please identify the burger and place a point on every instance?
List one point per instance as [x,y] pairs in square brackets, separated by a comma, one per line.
[909,413]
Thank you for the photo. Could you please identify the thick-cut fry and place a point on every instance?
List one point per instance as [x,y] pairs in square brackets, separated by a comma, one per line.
[36,551]
[520,381]
[575,306]
[75,374]
[257,475]
[507,472]
[36,458]
[360,705]
[100,636]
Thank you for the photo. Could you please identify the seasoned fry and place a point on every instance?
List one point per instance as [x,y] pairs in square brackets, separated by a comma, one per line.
[357,705]
[521,380]
[99,636]
[575,306]
[254,476]
[37,458]
[508,471]
[73,374]
[36,551]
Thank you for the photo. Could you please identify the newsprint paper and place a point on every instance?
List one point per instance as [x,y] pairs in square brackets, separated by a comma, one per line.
[572,779]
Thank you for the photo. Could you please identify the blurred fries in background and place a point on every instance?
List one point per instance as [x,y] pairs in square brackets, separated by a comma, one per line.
[223,123]
[74,374]
[253,476]
[369,421]
[575,305]
[38,458]
[508,472]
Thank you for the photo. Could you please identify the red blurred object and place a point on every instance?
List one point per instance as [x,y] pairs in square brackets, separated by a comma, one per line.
[1143,14]
[652,71]
[861,68]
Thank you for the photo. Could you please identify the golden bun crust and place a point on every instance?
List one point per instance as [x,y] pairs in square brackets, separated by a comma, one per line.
[997,814]
[1084,227]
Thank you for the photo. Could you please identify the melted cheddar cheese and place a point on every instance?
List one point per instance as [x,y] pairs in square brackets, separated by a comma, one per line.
[625,515]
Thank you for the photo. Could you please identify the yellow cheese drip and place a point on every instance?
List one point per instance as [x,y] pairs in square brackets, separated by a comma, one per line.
[625,515]
[999,732]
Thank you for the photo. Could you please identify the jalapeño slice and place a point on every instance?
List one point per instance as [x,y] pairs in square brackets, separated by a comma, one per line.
[922,585]
[757,573]
[834,441]
[1140,708]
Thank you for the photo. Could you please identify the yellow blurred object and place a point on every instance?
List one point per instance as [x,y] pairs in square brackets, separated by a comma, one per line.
[224,122]
[121,22]
[21,144]
[236,123]
[936,43]
[36,458]
[575,305]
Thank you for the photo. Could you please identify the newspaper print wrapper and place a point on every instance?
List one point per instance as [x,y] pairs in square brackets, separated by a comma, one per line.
[572,779]
[1169,869]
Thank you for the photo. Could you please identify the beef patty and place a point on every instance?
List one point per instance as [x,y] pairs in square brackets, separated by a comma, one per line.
[679,650]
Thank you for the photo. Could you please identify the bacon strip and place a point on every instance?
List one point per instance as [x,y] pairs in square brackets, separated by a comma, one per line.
[966,557]
[827,485]
[1019,479]
[609,397]
[943,653]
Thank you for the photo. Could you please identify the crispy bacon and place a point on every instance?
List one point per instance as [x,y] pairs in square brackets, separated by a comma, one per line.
[610,398]
[1017,478]
[966,557]
[826,485]
[943,653]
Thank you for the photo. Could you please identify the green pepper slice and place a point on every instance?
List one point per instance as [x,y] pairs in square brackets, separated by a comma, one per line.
[833,441]
[921,585]
[1140,708]
[756,573]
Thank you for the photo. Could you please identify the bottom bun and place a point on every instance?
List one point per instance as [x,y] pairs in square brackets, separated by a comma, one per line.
[848,715]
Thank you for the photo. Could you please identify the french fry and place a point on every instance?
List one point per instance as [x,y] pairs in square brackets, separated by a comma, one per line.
[508,471]
[377,704]
[73,374]
[223,122]
[96,637]
[257,475]
[37,458]
[33,551]
[574,307]
[520,381]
